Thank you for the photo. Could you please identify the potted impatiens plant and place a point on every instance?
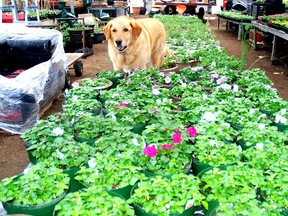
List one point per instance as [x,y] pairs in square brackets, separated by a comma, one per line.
[35,192]
[93,201]
[167,149]
[178,195]
[96,83]
[112,174]
[169,64]
[89,128]
[209,153]
[235,191]
[81,93]
[113,76]
[171,79]
[254,134]
[86,105]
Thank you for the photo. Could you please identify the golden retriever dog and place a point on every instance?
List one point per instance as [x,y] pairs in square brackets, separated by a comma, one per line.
[135,43]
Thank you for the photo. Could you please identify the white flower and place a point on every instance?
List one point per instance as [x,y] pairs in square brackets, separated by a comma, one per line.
[59,154]
[204,96]
[92,163]
[158,101]
[252,111]
[235,87]
[75,97]
[280,119]
[212,143]
[213,64]
[240,148]
[156,202]
[58,131]
[209,116]
[227,124]
[197,68]
[156,91]
[283,111]
[261,126]
[135,142]
[183,84]
[260,146]
[167,206]
[189,203]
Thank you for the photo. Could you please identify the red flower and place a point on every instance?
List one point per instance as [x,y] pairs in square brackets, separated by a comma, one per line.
[191,131]
[150,150]
[166,146]
[177,138]
[122,104]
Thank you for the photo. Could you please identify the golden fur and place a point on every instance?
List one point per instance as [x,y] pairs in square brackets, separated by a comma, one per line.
[135,43]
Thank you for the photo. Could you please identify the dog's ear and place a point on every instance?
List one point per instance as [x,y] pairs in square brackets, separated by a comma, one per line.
[106,30]
[136,29]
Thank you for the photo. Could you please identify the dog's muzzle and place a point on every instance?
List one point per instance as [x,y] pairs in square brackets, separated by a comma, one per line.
[119,46]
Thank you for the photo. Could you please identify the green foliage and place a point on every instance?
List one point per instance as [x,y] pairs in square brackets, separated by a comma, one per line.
[162,196]
[110,74]
[93,201]
[109,174]
[216,152]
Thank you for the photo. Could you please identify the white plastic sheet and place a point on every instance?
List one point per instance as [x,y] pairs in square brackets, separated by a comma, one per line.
[22,97]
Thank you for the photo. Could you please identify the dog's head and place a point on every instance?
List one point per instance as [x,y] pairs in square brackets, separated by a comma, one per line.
[122,31]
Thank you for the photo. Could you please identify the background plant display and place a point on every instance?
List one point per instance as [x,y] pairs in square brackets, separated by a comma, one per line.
[213,96]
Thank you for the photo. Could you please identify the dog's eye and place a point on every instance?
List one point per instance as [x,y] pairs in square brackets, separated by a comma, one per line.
[125,30]
[114,30]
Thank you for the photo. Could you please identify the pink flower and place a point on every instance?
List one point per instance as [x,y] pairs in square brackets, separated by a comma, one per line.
[215,75]
[177,138]
[166,146]
[150,151]
[161,74]
[177,130]
[168,80]
[58,115]
[128,81]
[191,131]
[222,79]
[136,69]
[154,110]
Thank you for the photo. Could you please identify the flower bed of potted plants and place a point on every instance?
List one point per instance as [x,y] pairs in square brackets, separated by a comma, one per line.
[169,136]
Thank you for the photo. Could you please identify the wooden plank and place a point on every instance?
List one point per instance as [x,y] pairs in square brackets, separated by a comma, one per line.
[72,57]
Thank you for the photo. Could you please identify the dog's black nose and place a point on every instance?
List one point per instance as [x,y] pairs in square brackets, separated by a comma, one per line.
[118,42]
